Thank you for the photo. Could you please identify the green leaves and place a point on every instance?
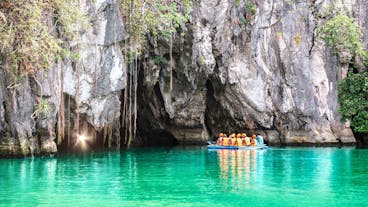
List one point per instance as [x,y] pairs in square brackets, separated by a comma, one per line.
[69,17]
[353,99]
[250,7]
[27,38]
[342,33]
[43,107]
[161,18]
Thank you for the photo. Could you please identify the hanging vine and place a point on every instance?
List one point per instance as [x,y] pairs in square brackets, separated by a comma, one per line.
[34,36]
[160,18]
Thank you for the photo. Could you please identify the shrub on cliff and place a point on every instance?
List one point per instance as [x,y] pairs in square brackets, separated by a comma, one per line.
[344,35]
[353,98]
[28,32]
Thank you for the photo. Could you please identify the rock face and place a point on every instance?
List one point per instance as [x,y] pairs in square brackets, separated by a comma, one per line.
[253,66]
[94,85]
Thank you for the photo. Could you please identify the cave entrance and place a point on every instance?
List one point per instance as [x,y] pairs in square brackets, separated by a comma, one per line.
[152,121]
[361,139]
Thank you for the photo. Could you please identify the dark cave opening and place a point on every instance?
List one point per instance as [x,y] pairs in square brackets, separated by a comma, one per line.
[151,130]
[361,139]
[216,119]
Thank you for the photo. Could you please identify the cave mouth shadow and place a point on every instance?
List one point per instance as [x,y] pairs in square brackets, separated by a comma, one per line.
[361,140]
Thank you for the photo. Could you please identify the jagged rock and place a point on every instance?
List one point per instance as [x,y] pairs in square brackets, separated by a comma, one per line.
[234,70]
[96,84]
[276,76]
[98,80]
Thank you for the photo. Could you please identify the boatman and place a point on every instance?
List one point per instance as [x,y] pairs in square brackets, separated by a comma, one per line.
[260,140]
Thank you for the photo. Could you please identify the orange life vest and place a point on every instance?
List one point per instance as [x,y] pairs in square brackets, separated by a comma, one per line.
[233,142]
[254,142]
[226,141]
[239,142]
[247,141]
[220,141]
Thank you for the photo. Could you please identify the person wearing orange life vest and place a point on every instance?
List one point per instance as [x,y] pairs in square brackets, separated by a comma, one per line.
[220,140]
[243,135]
[225,141]
[247,141]
[254,140]
[233,140]
[239,140]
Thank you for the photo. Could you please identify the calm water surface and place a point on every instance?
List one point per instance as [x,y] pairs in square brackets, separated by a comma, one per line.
[191,176]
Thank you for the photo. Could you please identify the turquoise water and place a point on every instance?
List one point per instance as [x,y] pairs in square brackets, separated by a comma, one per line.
[189,176]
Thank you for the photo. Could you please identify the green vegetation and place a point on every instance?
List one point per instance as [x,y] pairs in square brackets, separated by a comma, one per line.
[159,59]
[161,18]
[34,34]
[43,107]
[28,35]
[342,34]
[243,21]
[353,93]
[69,18]
[25,36]
[250,7]
[237,2]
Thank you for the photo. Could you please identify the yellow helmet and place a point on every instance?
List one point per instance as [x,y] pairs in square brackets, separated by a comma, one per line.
[244,135]
[254,136]
[238,135]
[221,135]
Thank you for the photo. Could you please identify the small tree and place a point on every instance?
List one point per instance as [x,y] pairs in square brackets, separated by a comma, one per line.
[343,35]
[353,98]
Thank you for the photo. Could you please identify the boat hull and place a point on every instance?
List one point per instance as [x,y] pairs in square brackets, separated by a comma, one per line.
[215,147]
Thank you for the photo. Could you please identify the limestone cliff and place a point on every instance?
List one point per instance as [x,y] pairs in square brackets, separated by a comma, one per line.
[91,88]
[250,65]
[253,66]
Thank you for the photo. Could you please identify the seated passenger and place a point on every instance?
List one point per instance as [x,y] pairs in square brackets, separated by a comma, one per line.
[226,141]
[239,141]
[220,139]
[260,140]
[247,141]
[233,140]
[254,141]
[243,135]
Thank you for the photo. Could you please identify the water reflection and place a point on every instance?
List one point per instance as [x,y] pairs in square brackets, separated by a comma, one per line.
[275,177]
[240,167]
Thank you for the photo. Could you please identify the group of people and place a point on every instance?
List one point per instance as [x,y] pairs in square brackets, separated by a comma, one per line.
[239,140]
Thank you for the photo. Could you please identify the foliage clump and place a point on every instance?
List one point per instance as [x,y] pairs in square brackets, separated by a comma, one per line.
[153,20]
[343,34]
[160,18]
[250,7]
[353,99]
[28,38]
